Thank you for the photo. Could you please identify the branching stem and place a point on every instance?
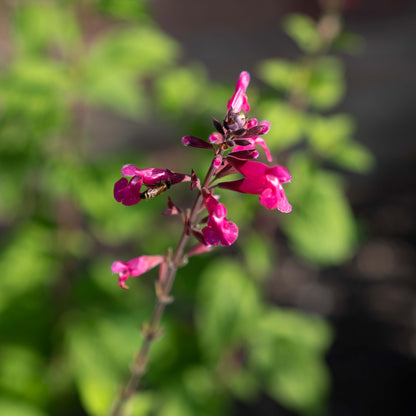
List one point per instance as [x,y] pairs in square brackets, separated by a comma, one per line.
[152,331]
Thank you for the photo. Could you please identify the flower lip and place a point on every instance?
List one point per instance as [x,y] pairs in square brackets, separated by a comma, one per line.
[219,231]
[239,99]
[135,267]
[261,180]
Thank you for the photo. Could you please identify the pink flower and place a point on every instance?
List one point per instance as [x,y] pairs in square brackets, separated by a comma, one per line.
[134,267]
[129,192]
[239,100]
[219,230]
[262,180]
[193,141]
[256,140]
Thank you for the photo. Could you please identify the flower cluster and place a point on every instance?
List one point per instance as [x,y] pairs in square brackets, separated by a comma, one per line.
[234,146]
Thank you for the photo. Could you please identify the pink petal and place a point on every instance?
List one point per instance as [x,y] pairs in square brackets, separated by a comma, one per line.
[229,233]
[215,138]
[197,249]
[282,202]
[210,203]
[239,100]
[268,198]
[263,145]
[143,264]
[130,170]
[194,141]
[119,189]
[119,267]
[266,125]
[246,186]
[251,169]
[281,173]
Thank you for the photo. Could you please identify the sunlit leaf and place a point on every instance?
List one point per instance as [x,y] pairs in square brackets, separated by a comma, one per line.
[321,227]
[259,253]
[302,29]
[228,304]
[20,368]
[124,9]
[99,349]
[181,89]
[13,407]
[287,124]
[325,134]
[326,83]
[141,51]
[355,157]
[38,28]
[142,404]
[288,353]
[33,95]
[278,73]
[26,262]
[112,69]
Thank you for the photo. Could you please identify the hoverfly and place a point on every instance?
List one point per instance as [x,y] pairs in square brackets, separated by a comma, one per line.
[155,190]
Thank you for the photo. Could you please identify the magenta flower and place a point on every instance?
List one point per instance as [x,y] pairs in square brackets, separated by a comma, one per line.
[134,267]
[239,101]
[262,180]
[253,141]
[129,192]
[219,230]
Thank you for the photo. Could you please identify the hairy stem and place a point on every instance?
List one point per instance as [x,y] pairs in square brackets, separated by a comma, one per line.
[152,331]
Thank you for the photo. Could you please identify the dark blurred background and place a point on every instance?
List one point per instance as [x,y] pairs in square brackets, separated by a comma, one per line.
[371,300]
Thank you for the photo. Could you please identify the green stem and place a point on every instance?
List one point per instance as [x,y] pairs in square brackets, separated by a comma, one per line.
[163,298]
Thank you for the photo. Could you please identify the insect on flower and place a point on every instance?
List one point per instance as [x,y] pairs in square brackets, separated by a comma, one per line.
[155,190]
[235,121]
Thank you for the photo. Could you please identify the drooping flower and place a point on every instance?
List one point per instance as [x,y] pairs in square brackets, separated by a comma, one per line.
[261,180]
[134,267]
[218,230]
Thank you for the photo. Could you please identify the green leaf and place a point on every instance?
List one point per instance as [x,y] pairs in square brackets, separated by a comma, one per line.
[19,374]
[227,307]
[278,73]
[181,90]
[287,124]
[326,134]
[141,50]
[26,262]
[349,42]
[99,349]
[287,351]
[124,9]
[258,253]
[142,404]
[110,76]
[40,26]
[354,156]
[33,93]
[326,85]
[302,384]
[302,29]
[321,227]
[12,407]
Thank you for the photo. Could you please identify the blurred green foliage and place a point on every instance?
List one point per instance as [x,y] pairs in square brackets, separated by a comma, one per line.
[301,103]
[68,333]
